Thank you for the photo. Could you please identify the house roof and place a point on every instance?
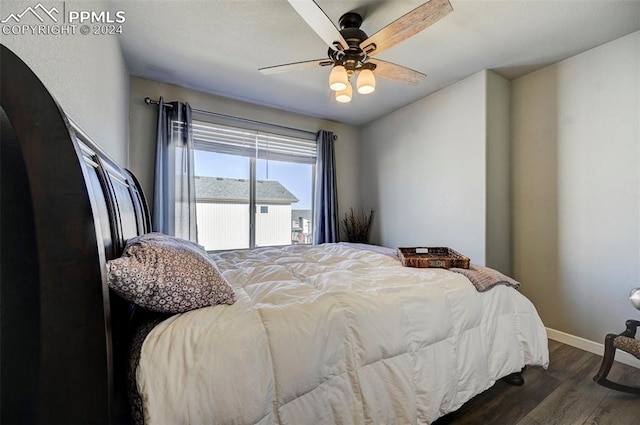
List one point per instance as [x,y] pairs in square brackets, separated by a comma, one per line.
[296,214]
[237,190]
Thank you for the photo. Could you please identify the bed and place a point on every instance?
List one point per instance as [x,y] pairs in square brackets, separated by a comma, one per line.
[328,334]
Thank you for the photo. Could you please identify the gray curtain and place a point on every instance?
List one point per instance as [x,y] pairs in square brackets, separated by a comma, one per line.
[325,220]
[174,197]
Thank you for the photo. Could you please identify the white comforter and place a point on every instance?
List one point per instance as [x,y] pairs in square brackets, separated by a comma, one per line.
[335,335]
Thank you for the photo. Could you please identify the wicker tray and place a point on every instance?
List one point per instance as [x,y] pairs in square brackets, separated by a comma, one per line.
[437,257]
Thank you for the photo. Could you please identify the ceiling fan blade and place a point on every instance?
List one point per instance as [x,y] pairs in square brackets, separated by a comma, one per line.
[406,26]
[295,66]
[392,71]
[319,22]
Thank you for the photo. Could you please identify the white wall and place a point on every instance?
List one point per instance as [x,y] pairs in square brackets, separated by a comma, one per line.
[576,188]
[143,129]
[424,170]
[439,172]
[498,174]
[85,73]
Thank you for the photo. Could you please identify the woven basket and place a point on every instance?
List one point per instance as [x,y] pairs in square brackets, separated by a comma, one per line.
[434,257]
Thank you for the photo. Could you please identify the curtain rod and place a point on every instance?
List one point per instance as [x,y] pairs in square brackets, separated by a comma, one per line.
[150,101]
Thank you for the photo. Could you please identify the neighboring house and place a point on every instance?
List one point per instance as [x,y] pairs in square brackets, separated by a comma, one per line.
[223,213]
[301,228]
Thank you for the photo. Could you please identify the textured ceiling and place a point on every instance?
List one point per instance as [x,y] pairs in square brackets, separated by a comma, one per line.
[217,46]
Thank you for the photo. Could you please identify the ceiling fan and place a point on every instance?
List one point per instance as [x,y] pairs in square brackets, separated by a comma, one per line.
[351,51]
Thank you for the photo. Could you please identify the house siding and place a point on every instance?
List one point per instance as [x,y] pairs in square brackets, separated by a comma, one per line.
[225,225]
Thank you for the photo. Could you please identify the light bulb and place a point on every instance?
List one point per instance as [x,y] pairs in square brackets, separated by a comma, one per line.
[344,96]
[366,82]
[338,79]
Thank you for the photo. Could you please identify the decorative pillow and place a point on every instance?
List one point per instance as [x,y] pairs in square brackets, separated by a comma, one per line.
[168,275]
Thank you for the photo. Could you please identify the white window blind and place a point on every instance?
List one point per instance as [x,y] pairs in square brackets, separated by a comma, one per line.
[251,143]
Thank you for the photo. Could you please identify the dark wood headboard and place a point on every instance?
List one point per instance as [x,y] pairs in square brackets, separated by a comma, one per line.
[65,209]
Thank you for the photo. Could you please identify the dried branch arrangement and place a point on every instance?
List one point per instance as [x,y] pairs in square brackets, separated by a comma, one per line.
[357,225]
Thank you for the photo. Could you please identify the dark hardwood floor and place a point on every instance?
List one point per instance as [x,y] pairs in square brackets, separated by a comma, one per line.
[564,394]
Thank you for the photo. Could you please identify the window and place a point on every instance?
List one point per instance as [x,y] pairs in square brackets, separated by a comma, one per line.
[253,188]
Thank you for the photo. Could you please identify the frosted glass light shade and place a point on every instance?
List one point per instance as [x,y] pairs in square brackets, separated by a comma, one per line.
[338,79]
[344,96]
[366,82]
[634,296]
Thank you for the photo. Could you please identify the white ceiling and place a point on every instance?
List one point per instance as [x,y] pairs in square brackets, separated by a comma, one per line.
[217,46]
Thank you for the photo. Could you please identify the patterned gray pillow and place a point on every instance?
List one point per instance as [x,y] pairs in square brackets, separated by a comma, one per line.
[168,275]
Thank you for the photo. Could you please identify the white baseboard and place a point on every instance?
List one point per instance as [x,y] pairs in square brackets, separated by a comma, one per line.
[590,346]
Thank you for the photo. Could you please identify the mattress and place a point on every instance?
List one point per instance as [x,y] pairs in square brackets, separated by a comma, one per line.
[335,334]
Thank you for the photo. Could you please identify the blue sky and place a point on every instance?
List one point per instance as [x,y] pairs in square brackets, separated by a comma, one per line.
[297,178]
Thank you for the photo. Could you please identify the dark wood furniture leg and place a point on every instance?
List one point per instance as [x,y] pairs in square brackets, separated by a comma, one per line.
[609,356]
[515,378]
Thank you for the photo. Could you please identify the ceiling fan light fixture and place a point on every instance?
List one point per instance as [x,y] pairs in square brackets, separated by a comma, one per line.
[344,96]
[338,79]
[350,48]
[366,81]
